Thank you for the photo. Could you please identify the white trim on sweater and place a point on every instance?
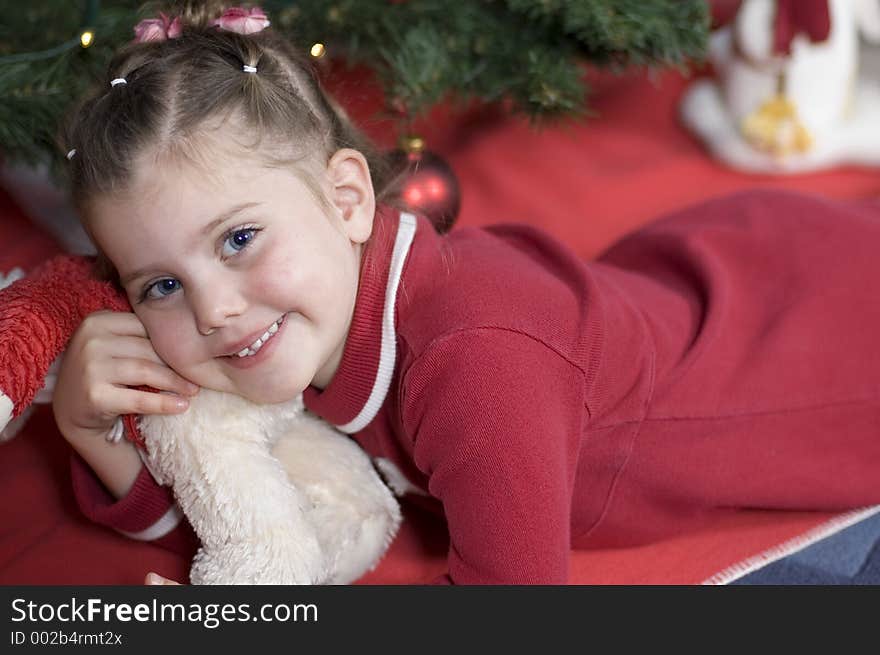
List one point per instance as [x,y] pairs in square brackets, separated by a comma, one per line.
[388,351]
[166,523]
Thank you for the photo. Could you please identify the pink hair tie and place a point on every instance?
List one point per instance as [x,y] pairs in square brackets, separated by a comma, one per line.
[234,19]
[157,29]
[242,21]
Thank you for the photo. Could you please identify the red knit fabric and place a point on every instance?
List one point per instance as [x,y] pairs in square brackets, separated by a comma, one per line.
[40,313]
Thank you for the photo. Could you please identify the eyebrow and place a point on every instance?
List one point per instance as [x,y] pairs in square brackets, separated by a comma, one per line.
[225,216]
[210,227]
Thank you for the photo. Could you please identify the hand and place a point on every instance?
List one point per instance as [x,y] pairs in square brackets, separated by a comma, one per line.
[155,578]
[109,354]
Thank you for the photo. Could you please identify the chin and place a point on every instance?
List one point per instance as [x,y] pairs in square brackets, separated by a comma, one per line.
[271,396]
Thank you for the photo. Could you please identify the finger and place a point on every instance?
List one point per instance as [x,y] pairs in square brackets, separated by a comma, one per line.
[121,346]
[137,372]
[121,323]
[156,579]
[122,400]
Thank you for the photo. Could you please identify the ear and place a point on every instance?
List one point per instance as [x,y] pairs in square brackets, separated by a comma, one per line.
[351,193]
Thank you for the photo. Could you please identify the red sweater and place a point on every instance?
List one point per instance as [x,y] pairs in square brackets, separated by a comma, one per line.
[723,357]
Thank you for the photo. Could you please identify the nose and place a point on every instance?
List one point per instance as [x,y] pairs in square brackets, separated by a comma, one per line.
[214,306]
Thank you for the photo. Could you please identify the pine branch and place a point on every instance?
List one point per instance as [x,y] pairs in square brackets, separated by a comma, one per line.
[36,95]
[528,51]
[626,32]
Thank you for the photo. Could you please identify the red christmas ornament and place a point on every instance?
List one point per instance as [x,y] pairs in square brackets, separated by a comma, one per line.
[429,186]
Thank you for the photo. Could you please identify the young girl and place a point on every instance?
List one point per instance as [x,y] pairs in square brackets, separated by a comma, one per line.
[724,357]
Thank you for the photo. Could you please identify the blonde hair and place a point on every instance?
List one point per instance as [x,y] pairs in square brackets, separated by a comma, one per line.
[173,89]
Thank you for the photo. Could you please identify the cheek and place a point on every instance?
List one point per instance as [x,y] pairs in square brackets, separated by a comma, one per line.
[289,281]
[169,337]
[318,294]
[313,266]
[273,282]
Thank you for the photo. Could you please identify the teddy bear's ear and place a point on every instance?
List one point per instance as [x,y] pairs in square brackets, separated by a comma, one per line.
[38,315]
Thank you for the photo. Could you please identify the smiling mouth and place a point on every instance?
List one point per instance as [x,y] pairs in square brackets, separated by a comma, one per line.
[254,348]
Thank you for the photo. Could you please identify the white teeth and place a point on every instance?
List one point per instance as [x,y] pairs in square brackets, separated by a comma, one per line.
[256,345]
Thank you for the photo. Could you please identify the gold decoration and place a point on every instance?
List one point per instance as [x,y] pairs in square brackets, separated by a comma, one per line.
[317,51]
[87,38]
[412,144]
[776,128]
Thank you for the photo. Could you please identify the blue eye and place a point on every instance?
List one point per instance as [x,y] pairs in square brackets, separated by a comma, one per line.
[162,288]
[238,240]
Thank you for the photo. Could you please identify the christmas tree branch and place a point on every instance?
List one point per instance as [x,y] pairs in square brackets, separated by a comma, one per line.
[529,54]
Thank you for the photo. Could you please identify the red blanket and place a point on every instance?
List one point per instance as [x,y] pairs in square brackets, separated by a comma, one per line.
[588,183]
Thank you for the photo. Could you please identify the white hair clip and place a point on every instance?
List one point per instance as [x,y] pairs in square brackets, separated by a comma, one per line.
[118,80]
[249,69]
[71,154]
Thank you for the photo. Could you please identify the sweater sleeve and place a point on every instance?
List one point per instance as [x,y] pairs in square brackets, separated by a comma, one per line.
[496,418]
[147,513]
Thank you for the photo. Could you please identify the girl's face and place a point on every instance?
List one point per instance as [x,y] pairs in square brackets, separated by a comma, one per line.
[244,282]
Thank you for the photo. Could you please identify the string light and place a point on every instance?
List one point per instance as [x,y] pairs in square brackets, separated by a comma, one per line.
[84,40]
[317,51]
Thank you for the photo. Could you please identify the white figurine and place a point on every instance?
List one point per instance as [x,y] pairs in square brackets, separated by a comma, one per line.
[795,91]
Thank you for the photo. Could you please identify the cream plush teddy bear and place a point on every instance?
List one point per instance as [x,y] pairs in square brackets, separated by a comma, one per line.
[276,495]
